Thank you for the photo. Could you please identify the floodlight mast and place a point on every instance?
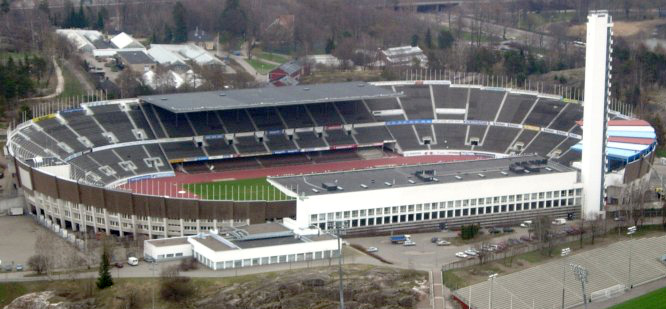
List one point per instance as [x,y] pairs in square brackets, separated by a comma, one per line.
[581,275]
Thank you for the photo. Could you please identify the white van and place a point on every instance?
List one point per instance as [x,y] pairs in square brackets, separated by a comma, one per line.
[526,223]
[559,221]
[133,261]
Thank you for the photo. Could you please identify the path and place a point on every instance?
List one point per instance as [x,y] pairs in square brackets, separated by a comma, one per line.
[60,86]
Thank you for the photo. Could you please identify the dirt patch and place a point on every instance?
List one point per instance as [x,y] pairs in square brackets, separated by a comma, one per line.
[621,28]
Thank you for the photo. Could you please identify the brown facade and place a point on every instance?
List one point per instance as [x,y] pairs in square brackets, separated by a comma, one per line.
[156,206]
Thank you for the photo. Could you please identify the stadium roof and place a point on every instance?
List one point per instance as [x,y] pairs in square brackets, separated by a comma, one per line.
[628,140]
[405,176]
[268,97]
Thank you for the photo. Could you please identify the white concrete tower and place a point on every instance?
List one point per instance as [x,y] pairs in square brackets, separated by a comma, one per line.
[595,111]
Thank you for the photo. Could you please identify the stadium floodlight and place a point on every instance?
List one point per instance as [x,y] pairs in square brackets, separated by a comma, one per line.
[339,231]
[581,275]
[490,296]
[565,252]
[630,231]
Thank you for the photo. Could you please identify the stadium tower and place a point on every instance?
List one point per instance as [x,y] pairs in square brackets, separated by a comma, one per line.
[595,113]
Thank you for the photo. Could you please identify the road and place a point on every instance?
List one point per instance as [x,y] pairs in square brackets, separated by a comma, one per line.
[523,36]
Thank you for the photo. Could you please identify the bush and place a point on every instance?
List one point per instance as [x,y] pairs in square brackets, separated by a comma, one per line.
[174,287]
[188,264]
[469,231]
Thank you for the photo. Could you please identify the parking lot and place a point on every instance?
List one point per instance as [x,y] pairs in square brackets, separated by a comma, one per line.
[17,243]
[425,254]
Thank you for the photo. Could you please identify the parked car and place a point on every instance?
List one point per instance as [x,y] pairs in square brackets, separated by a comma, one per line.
[559,221]
[493,230]
[409,243]
[148,259]
[118,264]
[132,261]
[443,243]
[507,229]
[526,223]
[619,218]
[513,241]
[461,255]
[19,267]
[471,252]
[525,238]
[371,249]
[434,240]
[7,267]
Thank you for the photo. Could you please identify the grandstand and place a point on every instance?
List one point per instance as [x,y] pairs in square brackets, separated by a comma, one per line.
[111,144]
[541,286]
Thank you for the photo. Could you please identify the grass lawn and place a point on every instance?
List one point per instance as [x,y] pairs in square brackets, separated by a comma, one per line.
[651,300]
[238,190]
[260,66]
[661,153]
[273,57]
[72,85]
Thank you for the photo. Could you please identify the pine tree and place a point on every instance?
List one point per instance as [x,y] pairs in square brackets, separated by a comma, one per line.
[99,25]
[180,25]
[428,39]
[4,6]
[104,280]
[168,35]
[330,45]
[415,40]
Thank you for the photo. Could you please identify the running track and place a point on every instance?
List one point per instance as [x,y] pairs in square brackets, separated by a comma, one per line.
[172,186]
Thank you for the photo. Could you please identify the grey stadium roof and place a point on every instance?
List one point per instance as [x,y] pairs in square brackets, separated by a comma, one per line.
[268,97]
[404,176]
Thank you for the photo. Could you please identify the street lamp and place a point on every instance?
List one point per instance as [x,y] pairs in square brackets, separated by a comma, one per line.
[339,231]
[630,231]
[581,275]
[491,278]
[564,253]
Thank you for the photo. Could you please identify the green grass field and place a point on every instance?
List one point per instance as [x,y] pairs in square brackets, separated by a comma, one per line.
[273,57]
[260,66]
[73,86]
[652,300]
[254,189]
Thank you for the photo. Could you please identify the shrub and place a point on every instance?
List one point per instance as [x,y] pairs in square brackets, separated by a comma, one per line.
[39,263]
[174,287]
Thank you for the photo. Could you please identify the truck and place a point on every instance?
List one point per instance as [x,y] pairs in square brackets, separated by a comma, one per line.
[399,239]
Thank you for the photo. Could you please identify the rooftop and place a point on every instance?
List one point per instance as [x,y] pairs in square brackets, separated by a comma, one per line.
[136,57]
[267,97]
[405,176]
[213,244]
[267,242]
[165,242]
[264,228]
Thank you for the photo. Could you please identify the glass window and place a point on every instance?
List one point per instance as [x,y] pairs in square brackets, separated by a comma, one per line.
[403,208]
[540,195]
[411,208]
[347,214]
[426,206]
[449,204]
[371,212]
[354,213]
[556,194]
[465,203]
[322,217]
[549,194]
[519,198]
[472,202]
[458,203]
[419,207]
[379,211]
[496,199]
[504,199]
[579,191]
[480,201]
[338,215]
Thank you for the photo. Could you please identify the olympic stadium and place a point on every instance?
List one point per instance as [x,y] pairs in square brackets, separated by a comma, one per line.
[412,155]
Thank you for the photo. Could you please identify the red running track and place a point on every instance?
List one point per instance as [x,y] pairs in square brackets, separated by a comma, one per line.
[172,186]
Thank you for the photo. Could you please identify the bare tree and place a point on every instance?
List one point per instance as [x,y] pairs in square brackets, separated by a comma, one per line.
[39,263]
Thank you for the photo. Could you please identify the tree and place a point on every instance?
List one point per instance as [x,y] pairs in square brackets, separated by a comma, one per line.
[4,6]
[99,24]
[179,23]
[104,279]
[330,46]
[39,263]
[415,40]
[233,19]
[445,39]
[428,39]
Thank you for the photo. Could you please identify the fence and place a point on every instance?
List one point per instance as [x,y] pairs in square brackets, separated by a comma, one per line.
[509,252]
